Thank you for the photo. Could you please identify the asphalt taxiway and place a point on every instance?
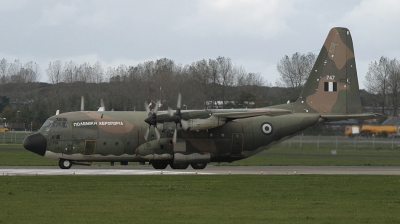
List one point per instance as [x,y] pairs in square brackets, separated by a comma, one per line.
[209,170]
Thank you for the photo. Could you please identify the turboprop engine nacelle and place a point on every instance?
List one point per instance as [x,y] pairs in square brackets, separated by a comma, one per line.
[204,124]
[168,126]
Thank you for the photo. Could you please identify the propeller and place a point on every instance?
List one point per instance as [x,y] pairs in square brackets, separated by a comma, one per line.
[177,117]
[151,120]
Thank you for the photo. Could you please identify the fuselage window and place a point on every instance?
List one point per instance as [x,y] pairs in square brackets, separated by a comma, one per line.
[56,136]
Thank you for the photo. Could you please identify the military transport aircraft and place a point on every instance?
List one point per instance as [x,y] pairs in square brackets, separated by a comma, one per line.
[196,137]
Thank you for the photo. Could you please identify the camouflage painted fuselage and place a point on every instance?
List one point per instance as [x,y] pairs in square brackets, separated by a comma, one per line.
[119,136]
[330,93]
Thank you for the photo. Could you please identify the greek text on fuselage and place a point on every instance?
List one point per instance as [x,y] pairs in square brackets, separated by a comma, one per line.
[101,123]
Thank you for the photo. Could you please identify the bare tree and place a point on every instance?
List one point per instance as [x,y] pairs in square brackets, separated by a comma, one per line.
[200,79]
[294,71]
[394,84]
[248,79]
[70,72]
[4,78]
[166,81]
[54,72]
[98,72]
[14,71]
[376,80]
[30,72]
[226,77]
[147,77]
[110,74]
[213,64]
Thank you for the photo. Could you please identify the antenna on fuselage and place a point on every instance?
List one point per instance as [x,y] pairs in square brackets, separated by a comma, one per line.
[102,107]
[82,103]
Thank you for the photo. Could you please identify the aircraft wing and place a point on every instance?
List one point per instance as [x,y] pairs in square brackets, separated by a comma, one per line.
[340,117]
[250,113]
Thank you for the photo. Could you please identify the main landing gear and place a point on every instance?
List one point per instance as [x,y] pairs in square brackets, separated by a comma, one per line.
[198,166]
[160,165]
[179,166]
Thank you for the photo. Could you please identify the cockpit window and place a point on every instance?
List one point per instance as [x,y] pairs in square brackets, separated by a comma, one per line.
[47,123]
[60,122]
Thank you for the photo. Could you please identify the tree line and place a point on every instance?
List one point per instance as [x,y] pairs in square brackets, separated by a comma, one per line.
[213,83]
[204,84]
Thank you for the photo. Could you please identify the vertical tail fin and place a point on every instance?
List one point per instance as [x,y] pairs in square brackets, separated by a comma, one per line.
[332,87]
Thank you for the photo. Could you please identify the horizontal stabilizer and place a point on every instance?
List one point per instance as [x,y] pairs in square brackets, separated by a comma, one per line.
[338,117]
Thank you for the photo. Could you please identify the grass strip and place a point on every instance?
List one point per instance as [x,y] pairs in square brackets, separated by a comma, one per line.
[272,157]
[200,199]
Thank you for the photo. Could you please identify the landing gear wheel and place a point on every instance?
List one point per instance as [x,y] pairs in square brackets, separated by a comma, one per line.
[198,166]
[64,164]
[179,166]
[159,165]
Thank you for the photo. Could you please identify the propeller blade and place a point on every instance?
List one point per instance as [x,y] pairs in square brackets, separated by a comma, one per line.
[157,133]
[174,137]
[178,105]
[185,124]
[170,112]
[157,105]
[82,103]
[146,134]
[146,105]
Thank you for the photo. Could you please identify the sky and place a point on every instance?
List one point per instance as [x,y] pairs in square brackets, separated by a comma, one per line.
[254,34]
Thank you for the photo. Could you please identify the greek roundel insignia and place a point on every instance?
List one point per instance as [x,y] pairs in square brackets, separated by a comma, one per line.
[266,128]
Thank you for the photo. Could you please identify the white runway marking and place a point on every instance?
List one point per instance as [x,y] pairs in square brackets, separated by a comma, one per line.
[209,170]
[55,172]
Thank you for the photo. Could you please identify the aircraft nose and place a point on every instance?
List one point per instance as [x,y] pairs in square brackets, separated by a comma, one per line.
[36,143]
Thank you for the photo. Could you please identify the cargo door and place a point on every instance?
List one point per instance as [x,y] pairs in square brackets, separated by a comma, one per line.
[90,147]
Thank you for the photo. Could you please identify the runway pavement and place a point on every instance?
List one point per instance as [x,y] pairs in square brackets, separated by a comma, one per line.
[209,170]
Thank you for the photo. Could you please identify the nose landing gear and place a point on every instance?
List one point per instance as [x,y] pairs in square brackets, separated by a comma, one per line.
[64,164]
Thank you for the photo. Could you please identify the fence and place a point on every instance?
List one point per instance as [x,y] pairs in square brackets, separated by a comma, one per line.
[340,142]
[16,137]
[299,141]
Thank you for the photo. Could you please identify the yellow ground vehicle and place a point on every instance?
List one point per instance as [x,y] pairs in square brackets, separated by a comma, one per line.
[372,130]
[3,129]
[3,125]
